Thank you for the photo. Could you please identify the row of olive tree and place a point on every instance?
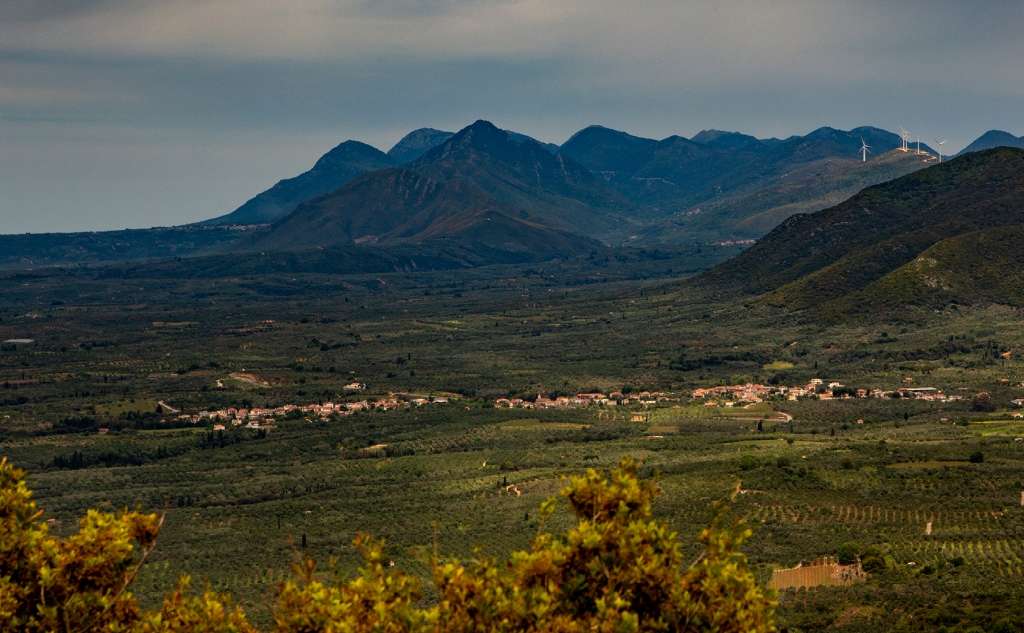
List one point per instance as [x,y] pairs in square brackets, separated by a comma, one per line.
[617,570]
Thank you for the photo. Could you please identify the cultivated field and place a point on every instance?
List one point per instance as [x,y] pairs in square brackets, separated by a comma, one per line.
[241,503]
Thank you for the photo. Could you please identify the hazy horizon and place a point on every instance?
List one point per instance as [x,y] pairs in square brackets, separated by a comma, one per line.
[119,114]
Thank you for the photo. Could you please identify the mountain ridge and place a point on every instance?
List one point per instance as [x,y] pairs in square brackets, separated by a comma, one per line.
[674,179]
[992,139]
[812,260]
[523,174]
[601,186]
[481,186]
[978,267]
[332,170]
[416,143]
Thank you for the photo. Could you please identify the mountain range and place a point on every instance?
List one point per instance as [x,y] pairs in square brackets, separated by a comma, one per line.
[465,192]
[503,196]
[335,168]
[673,174]
[602,185]
[483,186]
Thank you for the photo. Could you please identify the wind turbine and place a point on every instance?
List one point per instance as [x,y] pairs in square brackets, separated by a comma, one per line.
[919,145]
[940,142]
[904,137]
[864,148]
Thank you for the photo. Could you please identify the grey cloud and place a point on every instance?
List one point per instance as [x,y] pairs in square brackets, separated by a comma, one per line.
[39,10]
[419,8]
[129,77]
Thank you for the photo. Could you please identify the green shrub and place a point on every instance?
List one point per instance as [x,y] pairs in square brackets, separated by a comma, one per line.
[848,553]
[617,569]
[874,560]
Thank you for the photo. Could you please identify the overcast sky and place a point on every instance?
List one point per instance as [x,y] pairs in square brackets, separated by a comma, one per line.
[135,113]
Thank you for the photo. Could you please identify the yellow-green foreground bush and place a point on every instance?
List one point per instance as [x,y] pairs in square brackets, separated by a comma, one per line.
[616,570]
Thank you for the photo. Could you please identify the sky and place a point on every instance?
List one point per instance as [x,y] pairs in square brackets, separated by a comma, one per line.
[138,113]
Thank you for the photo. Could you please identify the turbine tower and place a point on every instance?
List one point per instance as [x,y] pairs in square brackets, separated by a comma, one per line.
[864,148]
[919,145]
[940,142]
[904,138]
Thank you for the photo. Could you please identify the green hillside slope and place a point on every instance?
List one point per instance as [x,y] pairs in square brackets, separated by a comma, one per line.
[811,259]
[981,267]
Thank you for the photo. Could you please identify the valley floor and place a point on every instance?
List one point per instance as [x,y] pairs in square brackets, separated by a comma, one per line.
[240,503]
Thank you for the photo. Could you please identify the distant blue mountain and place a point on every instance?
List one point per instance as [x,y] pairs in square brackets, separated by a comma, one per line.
[332,170]
[992,139]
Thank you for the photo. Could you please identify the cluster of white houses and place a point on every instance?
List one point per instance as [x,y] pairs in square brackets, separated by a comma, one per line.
[263,417]
[731,395]
[590,399]
[727,395]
